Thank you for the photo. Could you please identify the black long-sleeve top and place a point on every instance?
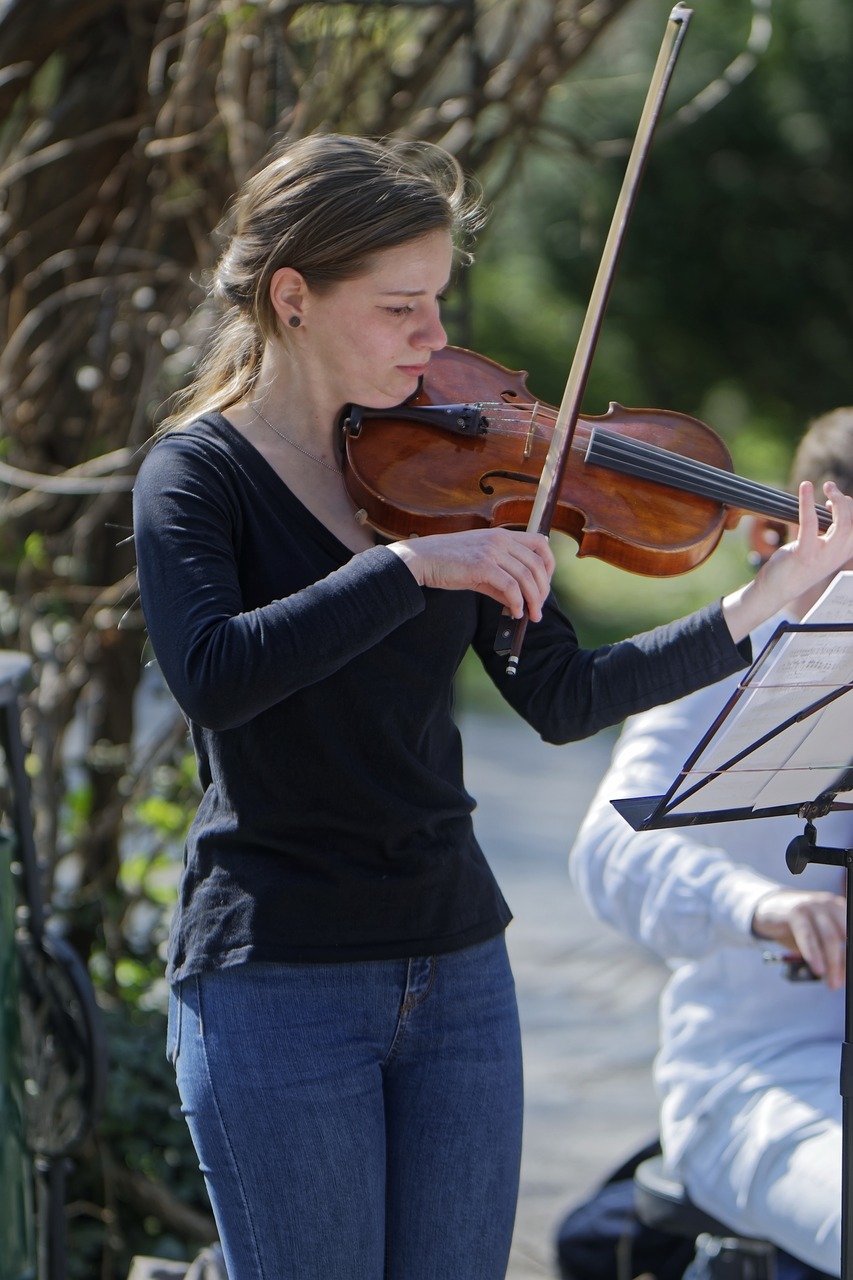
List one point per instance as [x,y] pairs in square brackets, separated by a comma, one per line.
[318,686]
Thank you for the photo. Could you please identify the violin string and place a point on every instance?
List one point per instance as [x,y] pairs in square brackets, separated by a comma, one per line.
[516,415]
[650,462]
[653,463]
[659,465]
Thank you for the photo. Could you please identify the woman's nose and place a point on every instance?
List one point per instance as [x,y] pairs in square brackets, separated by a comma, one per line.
[431,334]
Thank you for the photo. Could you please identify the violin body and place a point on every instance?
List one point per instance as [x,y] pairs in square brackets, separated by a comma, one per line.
[412,479]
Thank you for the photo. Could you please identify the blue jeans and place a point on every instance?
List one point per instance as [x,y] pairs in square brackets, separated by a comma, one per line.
[356,1121]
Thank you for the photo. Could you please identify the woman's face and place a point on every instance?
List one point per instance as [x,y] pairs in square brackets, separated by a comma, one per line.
[373,336]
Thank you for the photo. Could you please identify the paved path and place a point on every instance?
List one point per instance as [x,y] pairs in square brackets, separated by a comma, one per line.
[588,999]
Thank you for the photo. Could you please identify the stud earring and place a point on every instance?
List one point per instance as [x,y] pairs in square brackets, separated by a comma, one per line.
[294,322]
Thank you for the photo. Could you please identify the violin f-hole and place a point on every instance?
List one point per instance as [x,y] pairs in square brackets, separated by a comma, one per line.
[488,489]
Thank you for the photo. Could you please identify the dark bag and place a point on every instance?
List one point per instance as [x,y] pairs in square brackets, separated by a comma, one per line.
[602,1239]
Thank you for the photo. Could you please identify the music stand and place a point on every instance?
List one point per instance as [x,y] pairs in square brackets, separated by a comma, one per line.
[783,744]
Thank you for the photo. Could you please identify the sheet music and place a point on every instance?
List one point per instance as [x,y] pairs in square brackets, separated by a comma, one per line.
[836,603]
[795,669]
[794,672]
[814,768]
[800,762]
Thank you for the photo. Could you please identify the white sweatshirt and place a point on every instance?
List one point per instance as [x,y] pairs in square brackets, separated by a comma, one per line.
[728,1018]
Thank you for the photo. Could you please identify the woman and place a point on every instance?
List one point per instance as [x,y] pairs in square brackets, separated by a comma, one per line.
[343,1019]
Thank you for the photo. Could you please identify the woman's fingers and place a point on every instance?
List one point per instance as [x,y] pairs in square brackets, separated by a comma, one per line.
[510,566]
[798,567]
[841,529]
[831,550]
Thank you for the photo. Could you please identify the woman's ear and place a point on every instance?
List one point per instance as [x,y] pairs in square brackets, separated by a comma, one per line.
[288,292]
[764,537]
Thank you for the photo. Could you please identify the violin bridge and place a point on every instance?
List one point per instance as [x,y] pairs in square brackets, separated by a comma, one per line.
[531,432]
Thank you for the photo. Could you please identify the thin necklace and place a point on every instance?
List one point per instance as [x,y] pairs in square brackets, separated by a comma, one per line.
[294,445]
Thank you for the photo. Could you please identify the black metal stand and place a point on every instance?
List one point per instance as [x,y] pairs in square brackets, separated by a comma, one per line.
[800,852]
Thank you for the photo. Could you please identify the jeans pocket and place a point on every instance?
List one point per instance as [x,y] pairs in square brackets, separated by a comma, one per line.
[173,1025]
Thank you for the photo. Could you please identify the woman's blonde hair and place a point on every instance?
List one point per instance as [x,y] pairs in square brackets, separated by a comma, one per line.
[322,205]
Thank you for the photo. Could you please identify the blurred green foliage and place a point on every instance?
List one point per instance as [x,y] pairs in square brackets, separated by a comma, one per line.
[731,303]
[732,298]
[733,294]
[142,1120]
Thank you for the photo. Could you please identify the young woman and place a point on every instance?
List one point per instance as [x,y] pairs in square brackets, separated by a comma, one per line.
[343,1020]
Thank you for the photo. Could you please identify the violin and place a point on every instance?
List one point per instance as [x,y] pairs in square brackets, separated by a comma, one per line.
[647,490]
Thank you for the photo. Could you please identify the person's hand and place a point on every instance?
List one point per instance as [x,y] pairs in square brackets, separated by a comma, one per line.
[797,566]
[812,923]
[508,565]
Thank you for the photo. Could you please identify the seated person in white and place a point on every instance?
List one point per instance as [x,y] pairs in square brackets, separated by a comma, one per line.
[748,1066]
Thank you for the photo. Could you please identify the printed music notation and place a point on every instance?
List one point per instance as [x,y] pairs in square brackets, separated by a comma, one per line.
[783,741]
[785,735]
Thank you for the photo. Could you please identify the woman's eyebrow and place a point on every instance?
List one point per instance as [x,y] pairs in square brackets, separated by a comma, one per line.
[410,293]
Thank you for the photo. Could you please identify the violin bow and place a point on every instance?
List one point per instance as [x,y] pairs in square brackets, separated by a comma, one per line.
[510,636]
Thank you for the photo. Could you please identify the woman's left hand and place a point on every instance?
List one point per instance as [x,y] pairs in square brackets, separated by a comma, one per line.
[809,560]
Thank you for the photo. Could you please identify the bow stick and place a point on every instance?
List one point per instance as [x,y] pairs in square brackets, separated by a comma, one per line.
[510,636]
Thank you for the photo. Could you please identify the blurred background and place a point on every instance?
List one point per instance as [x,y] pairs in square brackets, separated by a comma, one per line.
[125,126]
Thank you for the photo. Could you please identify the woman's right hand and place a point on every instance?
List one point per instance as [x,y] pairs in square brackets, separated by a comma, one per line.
[509,565]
